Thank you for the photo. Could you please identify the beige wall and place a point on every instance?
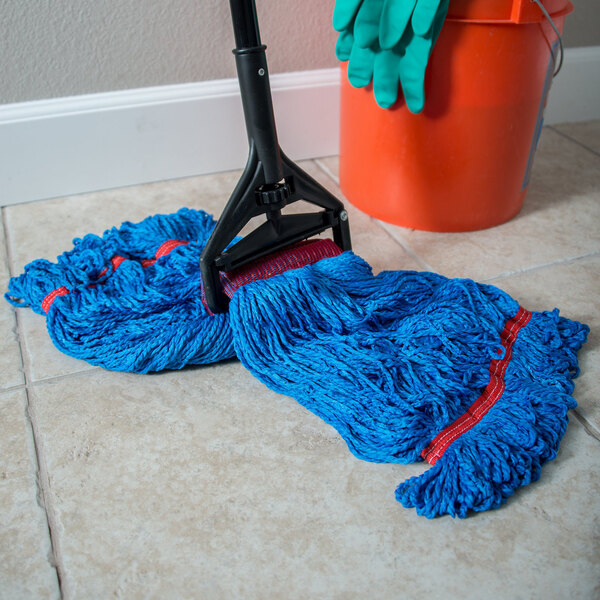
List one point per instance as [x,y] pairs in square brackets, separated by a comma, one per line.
[53,48]
[583,25]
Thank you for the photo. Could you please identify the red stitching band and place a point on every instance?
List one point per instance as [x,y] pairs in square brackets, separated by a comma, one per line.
[163,250]
[116,262]
[51,297]
[492,393]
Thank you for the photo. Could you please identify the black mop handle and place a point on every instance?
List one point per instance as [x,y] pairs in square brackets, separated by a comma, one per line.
[245,24]
[253,77]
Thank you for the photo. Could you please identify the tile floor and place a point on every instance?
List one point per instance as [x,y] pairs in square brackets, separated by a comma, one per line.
[202,483]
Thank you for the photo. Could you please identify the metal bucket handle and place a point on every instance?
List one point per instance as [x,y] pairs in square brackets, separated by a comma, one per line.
[560,40]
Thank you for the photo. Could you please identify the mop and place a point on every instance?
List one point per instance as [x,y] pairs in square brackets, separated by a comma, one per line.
[406,366]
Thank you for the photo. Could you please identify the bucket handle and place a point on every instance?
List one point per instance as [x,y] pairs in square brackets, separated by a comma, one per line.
[559,35]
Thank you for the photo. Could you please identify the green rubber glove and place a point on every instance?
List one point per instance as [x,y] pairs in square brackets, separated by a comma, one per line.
[398,14]
[404,64]
[385,20]
[360,60]
[344,13]
[343,47]
[362,16]
[368,22]
[408,68]
[361,65]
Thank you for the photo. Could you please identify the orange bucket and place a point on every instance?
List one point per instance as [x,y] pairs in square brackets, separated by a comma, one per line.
[464,163]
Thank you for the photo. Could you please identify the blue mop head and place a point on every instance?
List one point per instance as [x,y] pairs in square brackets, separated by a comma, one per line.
[130,300]
[409,366]
[405,366]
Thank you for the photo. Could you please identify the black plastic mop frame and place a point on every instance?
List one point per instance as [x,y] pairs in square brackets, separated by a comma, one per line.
[270,180]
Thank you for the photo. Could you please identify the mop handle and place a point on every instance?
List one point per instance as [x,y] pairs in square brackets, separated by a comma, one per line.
[245,24]
[253,77]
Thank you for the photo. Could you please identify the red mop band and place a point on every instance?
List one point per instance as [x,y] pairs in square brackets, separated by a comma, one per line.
[492,393]
[163,250]
[299,255]
[294,257]
[52,296]
[116,262]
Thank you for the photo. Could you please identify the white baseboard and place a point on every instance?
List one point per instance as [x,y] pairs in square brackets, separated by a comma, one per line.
[80,144]
[575,92]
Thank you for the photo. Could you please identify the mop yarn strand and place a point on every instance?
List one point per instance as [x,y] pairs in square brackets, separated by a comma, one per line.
[397,361]
[130,300]
[406,366]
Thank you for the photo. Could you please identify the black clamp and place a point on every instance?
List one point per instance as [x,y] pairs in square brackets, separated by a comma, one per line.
[270,181]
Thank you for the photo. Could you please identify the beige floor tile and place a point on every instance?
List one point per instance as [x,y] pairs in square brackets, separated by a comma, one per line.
[46,229]
[25,550]
[25,569]
[330,164]
[586,133]
[11,371]
[559,220]
[17,455]
[43,359]
[574,288]
[204,484]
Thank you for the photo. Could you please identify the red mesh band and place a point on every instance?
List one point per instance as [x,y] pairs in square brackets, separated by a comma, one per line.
[492,393]
[294,257]
[116,261]
[163,250]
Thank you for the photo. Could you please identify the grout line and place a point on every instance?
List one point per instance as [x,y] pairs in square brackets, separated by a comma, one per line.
[5,233]
[327,170]
[561,261]
[42,480]
[57,378]
[15,329]
[574,140]
[405,245]
[7,244]
[12,388]
[44,498]
[589,427]
[407,249]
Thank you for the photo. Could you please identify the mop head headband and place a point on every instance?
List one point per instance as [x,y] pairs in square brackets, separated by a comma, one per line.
[406,366]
